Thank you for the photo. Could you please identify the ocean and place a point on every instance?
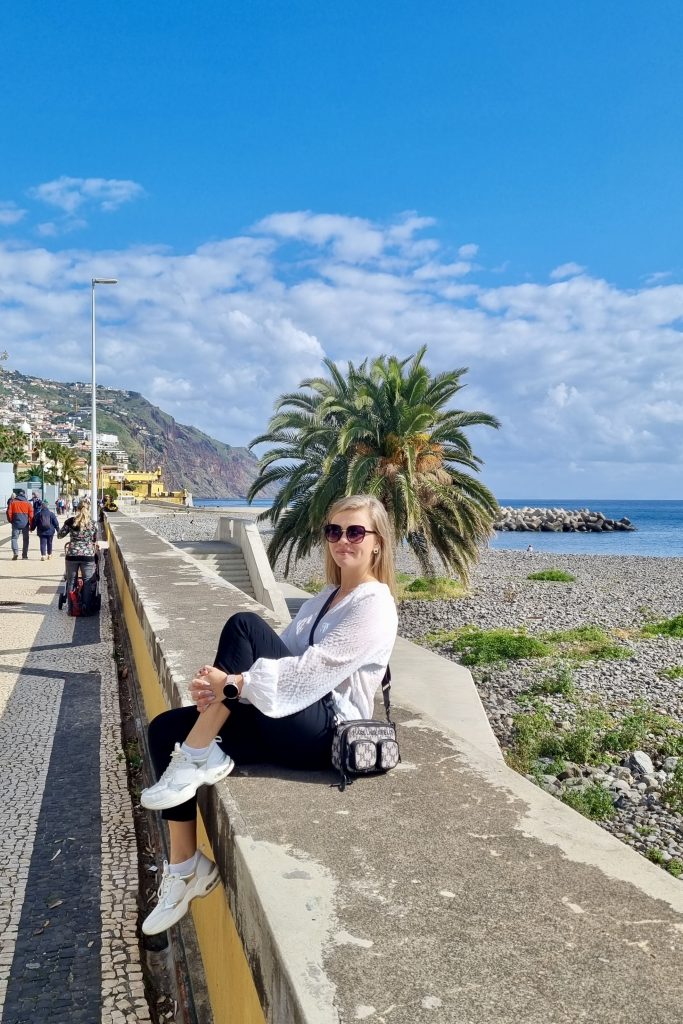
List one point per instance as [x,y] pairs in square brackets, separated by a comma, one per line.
[659,527]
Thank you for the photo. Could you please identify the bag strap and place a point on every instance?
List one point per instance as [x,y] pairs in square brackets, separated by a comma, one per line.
[321,613]
[386,694]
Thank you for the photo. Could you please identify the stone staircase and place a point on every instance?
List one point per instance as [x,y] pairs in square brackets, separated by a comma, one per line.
[223,557]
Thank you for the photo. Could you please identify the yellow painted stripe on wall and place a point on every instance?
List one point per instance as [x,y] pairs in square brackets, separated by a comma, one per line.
[228,978]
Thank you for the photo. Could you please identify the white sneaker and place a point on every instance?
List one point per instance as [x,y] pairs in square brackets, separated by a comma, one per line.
[183,777]
[176,892]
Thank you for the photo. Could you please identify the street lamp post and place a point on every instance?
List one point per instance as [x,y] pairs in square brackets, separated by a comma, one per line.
[93,409]
[42,459]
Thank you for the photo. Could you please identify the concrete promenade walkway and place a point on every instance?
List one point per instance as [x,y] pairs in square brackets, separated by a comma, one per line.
[68,862]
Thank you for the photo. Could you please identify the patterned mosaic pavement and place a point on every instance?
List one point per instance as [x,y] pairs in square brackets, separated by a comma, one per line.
[68,862]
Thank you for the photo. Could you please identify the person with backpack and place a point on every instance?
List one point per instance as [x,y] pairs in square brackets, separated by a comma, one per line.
[46,525]
[81,554]
[20,515]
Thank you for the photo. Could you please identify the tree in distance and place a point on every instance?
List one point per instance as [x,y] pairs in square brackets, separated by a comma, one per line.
[381,428]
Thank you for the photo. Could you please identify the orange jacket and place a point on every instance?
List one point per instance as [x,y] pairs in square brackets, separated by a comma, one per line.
[17,506]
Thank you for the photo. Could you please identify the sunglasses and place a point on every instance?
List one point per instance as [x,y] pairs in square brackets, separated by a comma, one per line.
[354,534]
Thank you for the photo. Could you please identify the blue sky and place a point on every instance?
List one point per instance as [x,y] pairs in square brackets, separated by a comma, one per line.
[273,183]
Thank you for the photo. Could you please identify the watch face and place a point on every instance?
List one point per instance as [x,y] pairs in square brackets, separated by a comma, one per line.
[230,691]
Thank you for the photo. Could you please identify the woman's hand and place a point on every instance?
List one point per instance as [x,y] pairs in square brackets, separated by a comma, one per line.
[207,687]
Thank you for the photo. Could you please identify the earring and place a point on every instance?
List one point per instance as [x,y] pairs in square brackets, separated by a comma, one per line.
[375,551]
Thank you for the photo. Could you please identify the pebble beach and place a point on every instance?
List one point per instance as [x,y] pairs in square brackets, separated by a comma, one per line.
[618,593]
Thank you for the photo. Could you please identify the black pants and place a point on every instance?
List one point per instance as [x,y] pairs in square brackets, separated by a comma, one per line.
[302,740]
[88,570]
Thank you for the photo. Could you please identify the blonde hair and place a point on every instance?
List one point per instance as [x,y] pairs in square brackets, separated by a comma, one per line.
[82,517]
[382,567]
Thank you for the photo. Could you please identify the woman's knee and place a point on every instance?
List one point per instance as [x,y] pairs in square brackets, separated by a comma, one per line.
[242,622]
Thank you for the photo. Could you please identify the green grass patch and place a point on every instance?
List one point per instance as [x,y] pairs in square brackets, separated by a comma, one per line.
[314,585]
[676,672]
[132,755]
[552,576]
[587,643]
[488,646]
[633,729]
[429,588]
[594,802]
[667,627]
[558,682]
[594,737]
[655,855]
[675,867]
[672,792]
[535,735]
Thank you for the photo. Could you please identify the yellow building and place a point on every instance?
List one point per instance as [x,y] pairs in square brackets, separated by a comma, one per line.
[151,486]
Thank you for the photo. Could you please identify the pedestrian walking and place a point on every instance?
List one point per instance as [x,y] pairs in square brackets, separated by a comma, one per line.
[20,515]
[46,525]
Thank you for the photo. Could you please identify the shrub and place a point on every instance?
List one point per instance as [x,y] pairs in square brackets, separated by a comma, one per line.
[535,736]
[594,802]
[629,734]
[667,627]
[675,867]
[655,855]
[582,744]
[552,576]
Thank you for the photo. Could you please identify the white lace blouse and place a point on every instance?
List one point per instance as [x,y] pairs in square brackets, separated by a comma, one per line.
[351,648]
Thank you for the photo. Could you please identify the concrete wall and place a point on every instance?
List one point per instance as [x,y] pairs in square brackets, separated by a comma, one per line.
[6,482]
[245,533]
[449,890]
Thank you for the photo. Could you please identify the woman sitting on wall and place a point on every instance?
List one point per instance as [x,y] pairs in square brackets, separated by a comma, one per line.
[276,699]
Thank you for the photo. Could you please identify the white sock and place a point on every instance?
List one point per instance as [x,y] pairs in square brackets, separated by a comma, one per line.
[186,867]
[196,753]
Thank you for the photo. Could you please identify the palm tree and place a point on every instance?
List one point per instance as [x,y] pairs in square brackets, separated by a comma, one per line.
[381,429]
[71,470]
[12,446]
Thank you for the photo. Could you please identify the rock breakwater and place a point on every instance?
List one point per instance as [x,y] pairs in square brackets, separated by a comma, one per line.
[558,520]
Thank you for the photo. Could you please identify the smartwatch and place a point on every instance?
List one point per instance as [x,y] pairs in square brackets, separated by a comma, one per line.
[231,690]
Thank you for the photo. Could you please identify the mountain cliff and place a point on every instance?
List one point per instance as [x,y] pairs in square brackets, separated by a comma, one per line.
[188,457]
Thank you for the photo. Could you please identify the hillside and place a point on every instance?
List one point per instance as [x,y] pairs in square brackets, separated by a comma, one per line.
[188,457]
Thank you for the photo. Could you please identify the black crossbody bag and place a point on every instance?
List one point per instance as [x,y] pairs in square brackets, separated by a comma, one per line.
[362,746]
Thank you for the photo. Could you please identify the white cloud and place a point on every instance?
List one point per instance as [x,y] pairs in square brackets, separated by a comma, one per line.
[10,214]
[658,277]
[566,270]
[585,376]
[70,194]
[468,252]
[433,271]
[560,395]
[77,197]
